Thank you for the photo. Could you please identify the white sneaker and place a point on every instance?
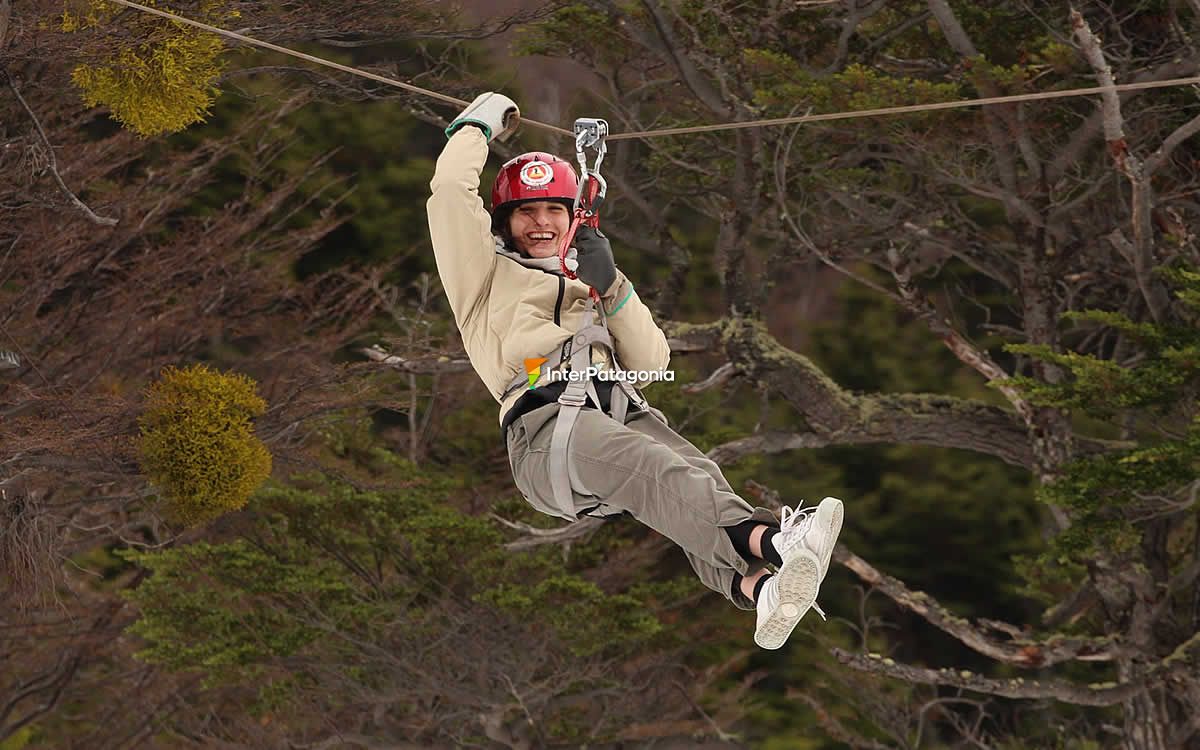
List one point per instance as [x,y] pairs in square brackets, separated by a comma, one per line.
[786,597]
[805,543]
[814,529]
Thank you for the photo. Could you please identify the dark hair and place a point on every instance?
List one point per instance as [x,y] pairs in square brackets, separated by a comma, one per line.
[505,235]
[500,221]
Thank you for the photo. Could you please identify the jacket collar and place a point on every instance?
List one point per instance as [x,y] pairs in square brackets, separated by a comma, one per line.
[549,265]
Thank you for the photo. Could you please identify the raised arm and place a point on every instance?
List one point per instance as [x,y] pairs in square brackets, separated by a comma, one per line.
[459,225]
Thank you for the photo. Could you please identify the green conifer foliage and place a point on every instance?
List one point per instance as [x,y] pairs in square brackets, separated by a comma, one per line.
[1155,401]
[197,442]
[338,593]
[161,84]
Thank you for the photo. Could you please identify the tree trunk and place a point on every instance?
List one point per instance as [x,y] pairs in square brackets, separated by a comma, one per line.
[1146,723]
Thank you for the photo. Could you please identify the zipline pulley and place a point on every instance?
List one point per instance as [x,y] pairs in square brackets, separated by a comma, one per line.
[590,133]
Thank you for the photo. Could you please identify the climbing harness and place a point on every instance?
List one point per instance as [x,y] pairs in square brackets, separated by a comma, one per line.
[589,133]
[576,351]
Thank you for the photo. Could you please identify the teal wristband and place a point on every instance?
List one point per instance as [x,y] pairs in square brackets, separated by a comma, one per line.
[454,126]
[622,303]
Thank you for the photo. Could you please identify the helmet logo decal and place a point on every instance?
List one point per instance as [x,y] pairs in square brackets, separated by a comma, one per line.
[537,174]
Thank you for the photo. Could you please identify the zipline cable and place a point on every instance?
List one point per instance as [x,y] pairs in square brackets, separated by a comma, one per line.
[910,108]
[327,63]
[880,112]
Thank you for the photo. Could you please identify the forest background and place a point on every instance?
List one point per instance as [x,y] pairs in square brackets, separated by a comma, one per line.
[978,327]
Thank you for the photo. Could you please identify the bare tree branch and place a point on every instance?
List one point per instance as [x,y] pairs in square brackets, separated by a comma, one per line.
[765,443]
[845,418]
[1019,652]
[664,44]
[420,366]
[1069,155]
[834,728]
[1179,662]
[965,351]
[838,417]
[1169,144]
[1140,252]
[957,36]
[535,537]
[719,377]
[53,160]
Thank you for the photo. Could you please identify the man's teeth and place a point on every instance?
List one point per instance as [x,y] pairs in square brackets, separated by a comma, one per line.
[541,236]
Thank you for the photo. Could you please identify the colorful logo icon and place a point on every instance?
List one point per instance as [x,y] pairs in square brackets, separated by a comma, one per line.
[537,174]
[533,366]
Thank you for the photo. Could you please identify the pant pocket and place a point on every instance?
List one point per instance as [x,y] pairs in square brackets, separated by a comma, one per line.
[537,430]
[515,445]
[532,478]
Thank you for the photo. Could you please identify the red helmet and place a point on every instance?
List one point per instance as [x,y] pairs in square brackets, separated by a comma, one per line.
[535,176]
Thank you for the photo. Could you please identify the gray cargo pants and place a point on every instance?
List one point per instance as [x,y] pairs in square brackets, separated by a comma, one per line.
[646,468]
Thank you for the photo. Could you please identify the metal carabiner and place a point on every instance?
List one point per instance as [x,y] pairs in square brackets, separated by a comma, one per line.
[590,132]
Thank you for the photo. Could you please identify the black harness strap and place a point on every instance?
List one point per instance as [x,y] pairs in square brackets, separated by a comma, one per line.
[562,285]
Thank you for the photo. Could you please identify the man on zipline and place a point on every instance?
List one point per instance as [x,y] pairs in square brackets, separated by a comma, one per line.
[594,446]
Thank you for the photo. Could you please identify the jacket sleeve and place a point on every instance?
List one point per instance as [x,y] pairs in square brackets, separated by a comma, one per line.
[460,227]
[640,343]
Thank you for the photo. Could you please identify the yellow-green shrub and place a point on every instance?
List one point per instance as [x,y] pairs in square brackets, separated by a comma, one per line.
[160,84]
[198,445]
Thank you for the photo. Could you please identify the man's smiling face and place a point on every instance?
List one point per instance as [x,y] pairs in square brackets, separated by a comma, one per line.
[538,227]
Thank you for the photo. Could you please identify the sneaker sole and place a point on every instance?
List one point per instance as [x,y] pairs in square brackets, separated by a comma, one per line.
[799,580]
[832,507]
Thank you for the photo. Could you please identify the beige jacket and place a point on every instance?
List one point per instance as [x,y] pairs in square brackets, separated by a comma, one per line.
[504,303]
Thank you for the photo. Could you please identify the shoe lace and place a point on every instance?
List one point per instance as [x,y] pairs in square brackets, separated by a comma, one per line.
[799,520]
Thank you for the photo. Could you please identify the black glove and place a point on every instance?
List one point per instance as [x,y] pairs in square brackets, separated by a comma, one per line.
[597,268]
